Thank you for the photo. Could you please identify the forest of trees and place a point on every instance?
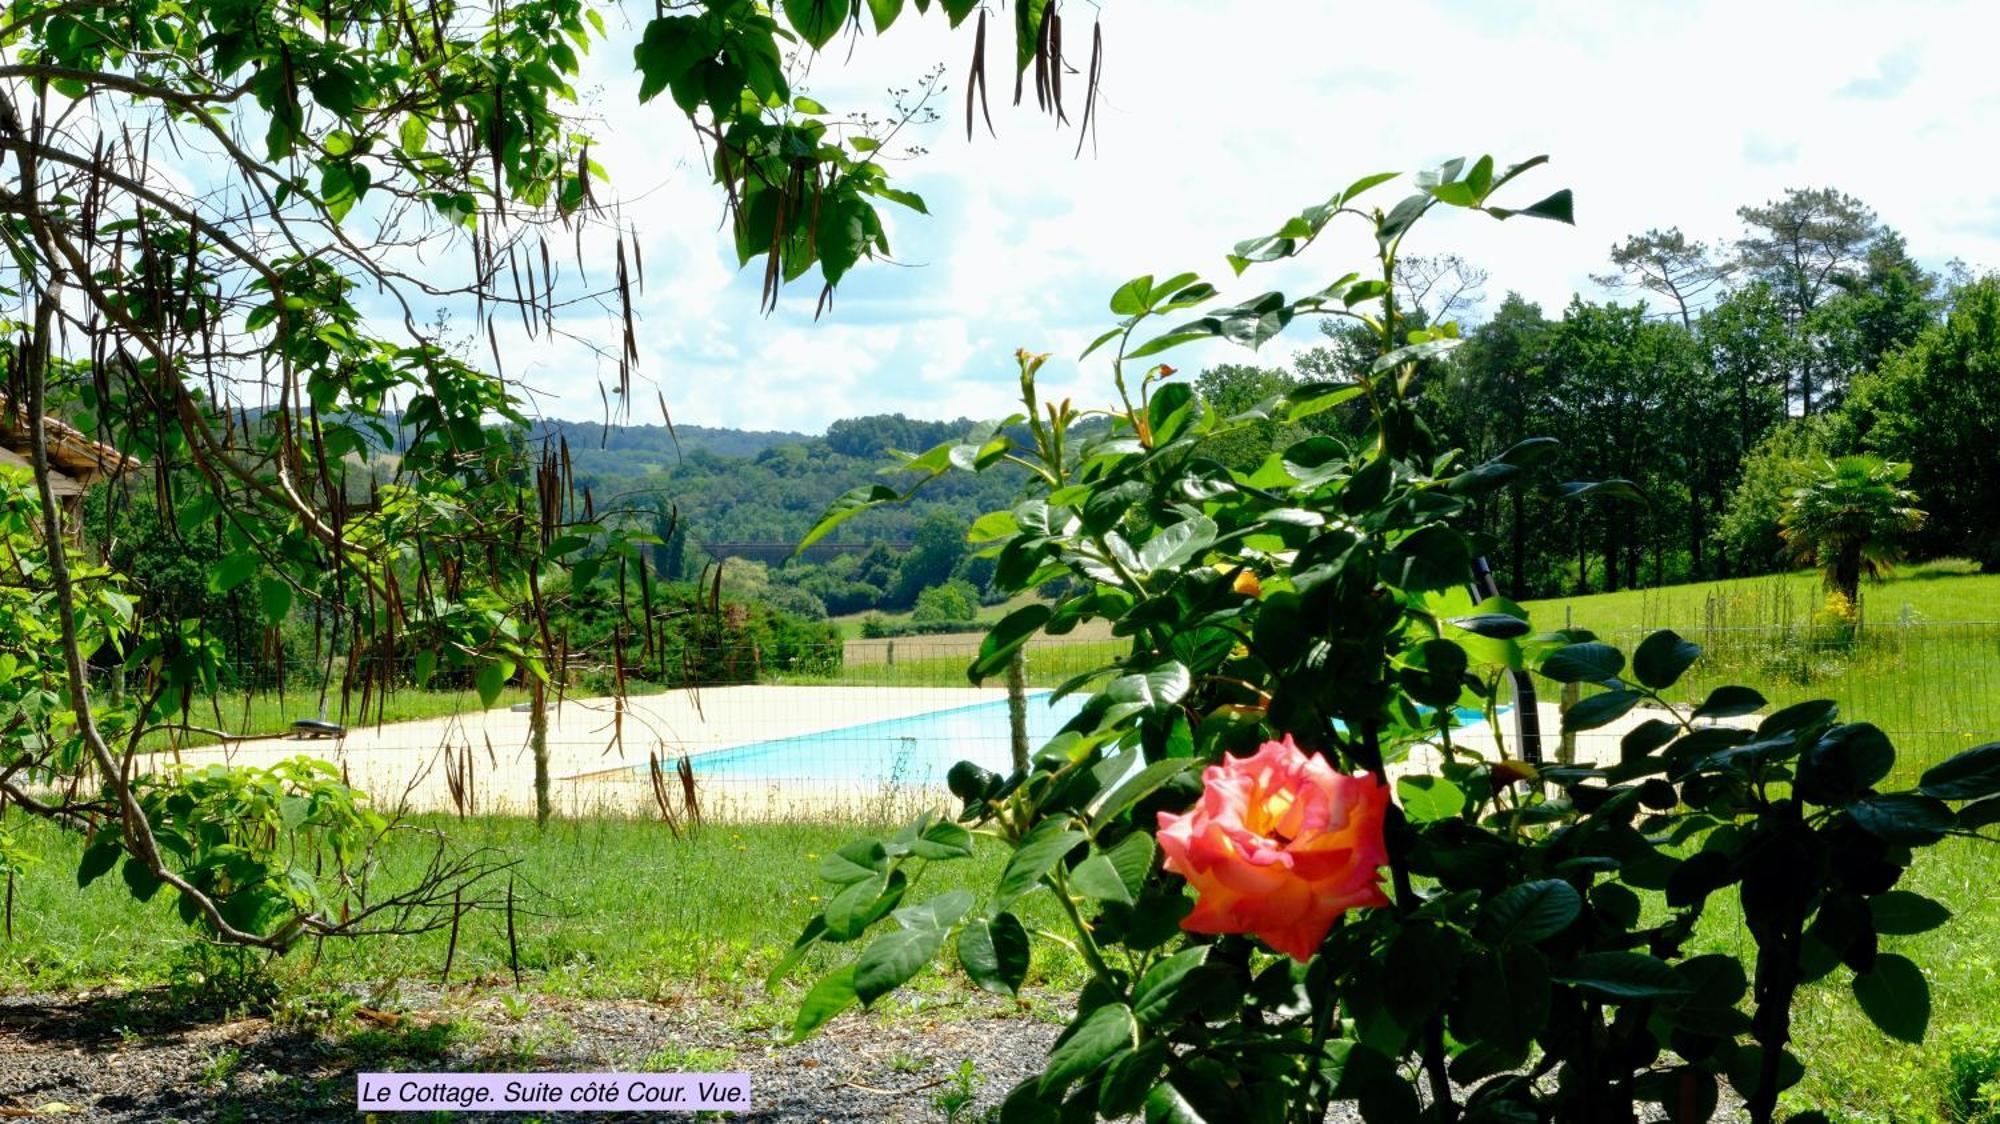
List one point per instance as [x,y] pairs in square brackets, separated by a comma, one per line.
[1716,377]
[1729,374]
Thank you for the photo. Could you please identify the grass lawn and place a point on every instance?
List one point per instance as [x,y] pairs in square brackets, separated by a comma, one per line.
[619,909]
[1949,590]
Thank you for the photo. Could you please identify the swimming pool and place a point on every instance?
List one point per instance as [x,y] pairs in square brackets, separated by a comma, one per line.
[917,749]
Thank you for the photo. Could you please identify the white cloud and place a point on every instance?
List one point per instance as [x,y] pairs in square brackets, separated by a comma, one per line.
[1216,123]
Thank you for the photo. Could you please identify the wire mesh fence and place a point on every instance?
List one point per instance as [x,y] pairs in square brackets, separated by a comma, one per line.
[874,725]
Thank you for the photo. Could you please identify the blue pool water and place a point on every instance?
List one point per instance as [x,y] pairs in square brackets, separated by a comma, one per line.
[916,750]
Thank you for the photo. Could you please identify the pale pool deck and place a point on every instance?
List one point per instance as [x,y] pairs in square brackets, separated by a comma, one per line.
[599,751]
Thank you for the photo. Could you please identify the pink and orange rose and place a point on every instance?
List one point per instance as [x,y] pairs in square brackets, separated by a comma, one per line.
[1279,846]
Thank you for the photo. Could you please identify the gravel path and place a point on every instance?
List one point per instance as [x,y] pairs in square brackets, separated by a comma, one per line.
[129,1058]
[134,1057]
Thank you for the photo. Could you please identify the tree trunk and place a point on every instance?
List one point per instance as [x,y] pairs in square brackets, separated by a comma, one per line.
[1017,708]
[1516,581]
[1697,531]
[1846,576]
[1610,551]
[538,744]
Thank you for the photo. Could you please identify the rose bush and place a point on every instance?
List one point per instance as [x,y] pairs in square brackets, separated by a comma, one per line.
[1278,846]
[1294,632]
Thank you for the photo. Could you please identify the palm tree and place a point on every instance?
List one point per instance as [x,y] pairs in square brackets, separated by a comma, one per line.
[1846,518]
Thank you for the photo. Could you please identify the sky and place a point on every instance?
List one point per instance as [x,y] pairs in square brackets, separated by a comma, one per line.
[1217,121]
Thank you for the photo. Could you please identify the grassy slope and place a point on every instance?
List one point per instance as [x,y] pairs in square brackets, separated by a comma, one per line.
[1932,592]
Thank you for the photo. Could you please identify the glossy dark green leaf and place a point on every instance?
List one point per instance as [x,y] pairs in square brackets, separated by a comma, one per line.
[892,958]
[1589,662]
[1896,997]
[1970,775]
[1427,559]
[833,994]
[1662,658]
[1137,787]
[1155,996]
[1117,874]
[1901,913]
[1730,702]
[1015,629]
[1091,1041]
[1620,977]
[98,858]
[1843,762]
[1906,818]
[1155,689]
[1037,854]
[995,953]
[1496,626]
[1529,912]
[1600,709]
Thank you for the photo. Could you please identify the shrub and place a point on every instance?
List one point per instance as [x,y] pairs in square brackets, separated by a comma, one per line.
[1269,925]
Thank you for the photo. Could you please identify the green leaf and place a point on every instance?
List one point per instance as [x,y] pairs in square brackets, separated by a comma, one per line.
[816,21]
[1090,1042]
[1618,977]
[1900,913]
[1845,761]
[140,879]
[1153,999]
[1427,799]
[1137,787]
[1429,558]
[1965,776]
[810,936]
[1503,996]
[99,857]
[863,903]
[275,595]
[423,666]
[1364,183]
[1979,813]
[997,650]
[942,841]
[1907,819]
[1177,544]
[833,994]
[1038,853]
[1730,702]
[1172,407]
[860,859]
[1895,997]
[233,570]
[941,912]
[1131,297]
[1155,689]
[892,958]
[1117,874]
[995,953]
[1662,658]
[1493,626]
[845,507]
[1529,912]
[1599,710]
[491,679]
[1129,1079]
[1589,662]
[1559,207]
